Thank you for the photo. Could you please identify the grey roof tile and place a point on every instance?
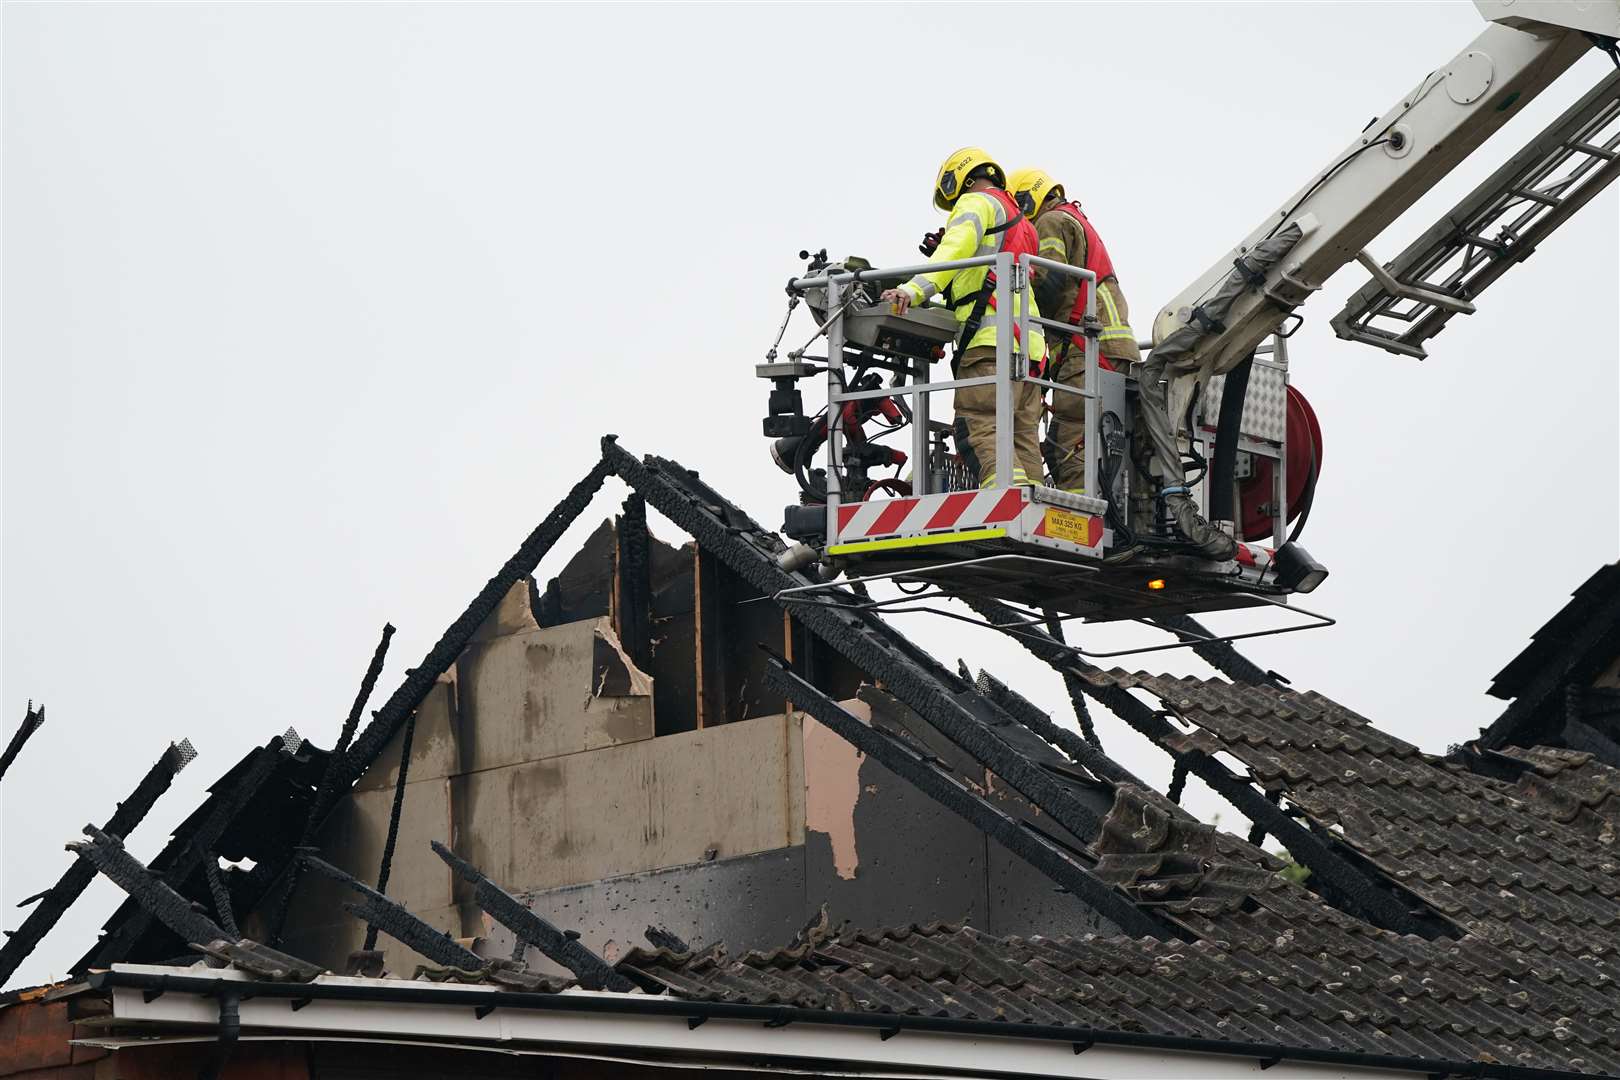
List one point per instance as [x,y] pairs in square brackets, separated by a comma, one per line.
[1523,867]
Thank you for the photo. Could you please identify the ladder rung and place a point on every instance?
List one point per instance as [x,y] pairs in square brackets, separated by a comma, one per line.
[1486,243]
[1533,196]
[1595,151]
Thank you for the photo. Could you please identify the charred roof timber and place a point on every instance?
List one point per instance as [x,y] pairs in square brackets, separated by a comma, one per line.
[931,777]
[398,923]
[1571,650]
[327,792]
[184,854]
[1077,693]
[108,855]
[33,720]
[1343,881]
[420,679]
[634,600]
[398,807]
[53,902]
[1218,654]
[950,704]
[1027,713]
[560,946]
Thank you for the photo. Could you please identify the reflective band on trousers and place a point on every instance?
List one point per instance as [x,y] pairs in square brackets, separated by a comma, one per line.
[1020,479]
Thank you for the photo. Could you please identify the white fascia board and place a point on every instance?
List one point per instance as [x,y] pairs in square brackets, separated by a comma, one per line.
[719,1038]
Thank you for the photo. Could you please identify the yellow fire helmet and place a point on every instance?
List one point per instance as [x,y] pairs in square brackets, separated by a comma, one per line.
[1030,188]
[954,173]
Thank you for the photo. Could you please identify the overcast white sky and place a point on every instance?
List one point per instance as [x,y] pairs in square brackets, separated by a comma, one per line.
[311,312]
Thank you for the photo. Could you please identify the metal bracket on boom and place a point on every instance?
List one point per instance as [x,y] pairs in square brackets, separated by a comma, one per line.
[1432,297]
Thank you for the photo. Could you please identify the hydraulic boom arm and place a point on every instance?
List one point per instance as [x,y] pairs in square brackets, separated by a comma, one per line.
[1394,161]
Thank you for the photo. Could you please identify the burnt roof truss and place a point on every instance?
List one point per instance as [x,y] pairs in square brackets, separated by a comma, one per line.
[50,905]
[33,720]
[948,703]
[1342,879]
[184,855]
[108,855]
[929,775]
[563,947]
[393,919]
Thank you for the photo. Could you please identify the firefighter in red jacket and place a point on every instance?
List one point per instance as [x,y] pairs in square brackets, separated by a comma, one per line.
[984,220]
[1066,235]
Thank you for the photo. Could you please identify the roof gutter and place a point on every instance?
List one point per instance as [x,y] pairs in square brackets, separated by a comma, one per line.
[484,1000]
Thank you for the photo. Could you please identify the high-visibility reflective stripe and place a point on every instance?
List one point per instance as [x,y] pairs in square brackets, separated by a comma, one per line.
[1114,328]
[1054,245]
[916,541]
[927,289]
[972,220]
[1020,478]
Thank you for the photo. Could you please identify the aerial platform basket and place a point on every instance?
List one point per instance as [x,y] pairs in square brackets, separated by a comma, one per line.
[1051,554]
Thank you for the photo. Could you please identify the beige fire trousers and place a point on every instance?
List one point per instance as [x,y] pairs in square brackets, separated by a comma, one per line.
[977,405]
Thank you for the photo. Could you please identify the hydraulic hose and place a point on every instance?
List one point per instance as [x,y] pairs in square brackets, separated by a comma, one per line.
[1233,394]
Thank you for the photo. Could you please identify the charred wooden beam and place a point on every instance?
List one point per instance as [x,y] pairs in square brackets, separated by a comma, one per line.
[950,705]
[1027,713]
[936,781]
[326,792]
[593,972]
[51,904]
[1220,655]
[33,720]
[420,679]
[1343,883]
[393,919]
[662,938]
[712,585]
[1077,694]
[633,599]
[221,895]
[107,854]
[1540,702]
[394,813]
[185,854]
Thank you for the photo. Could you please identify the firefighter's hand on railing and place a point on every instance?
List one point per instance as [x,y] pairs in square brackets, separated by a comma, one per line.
[899,300]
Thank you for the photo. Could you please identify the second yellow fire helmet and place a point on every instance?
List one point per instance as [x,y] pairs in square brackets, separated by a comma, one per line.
[1030,188]
[954,173]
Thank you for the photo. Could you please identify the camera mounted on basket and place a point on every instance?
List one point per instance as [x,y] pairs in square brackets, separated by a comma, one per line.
[793,453]
[875,340]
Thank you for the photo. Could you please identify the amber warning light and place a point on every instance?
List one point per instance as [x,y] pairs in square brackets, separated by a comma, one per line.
[1156,583]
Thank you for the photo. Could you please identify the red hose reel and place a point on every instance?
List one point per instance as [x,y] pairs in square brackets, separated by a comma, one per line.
[1304,466]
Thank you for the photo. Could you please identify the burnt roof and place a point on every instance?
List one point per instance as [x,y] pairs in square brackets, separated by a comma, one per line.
[1511,851]
[1525,868]
[1570,649]
[1551,643]
[1488,853]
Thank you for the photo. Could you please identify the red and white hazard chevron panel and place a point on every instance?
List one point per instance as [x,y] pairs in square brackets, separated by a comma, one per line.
[1032,515]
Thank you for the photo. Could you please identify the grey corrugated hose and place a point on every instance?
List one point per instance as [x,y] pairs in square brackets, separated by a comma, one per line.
[1170,359]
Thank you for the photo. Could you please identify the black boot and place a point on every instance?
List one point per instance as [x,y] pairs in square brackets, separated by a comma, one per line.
[1211,542]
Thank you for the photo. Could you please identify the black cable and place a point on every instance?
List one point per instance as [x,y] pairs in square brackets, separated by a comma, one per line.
[1307,496]
[1324,178]
[1110,469]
